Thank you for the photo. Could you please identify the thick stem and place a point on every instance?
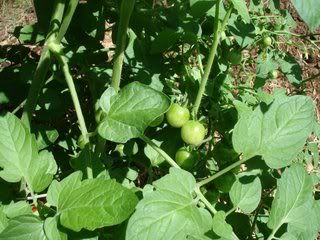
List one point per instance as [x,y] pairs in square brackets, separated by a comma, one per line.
[56,49]
[160,151]
[213,50]
[43,65]
[125,13]
[67,19]
[220,173]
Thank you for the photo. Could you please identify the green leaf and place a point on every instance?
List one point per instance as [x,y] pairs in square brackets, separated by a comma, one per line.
[288,236]
[310,230]
[88,158]
[131,112]
[309,12]
[54,190]
[19,156]
[221,227]
[241,7]
[199,8]
[155,158]
[17,209]
[105,100]
[244,32]
[29,34]
[46,137]
[290,68]
[293,200]
[277,132]
[3,219]
[92,203]
[26,227]
[165,40]
[170,211]
[246,194]
[51,228]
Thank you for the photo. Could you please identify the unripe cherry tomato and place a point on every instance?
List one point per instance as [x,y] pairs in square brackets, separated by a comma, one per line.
[177,115]
[273,74]
[193,132]
[185,158]
[267,41]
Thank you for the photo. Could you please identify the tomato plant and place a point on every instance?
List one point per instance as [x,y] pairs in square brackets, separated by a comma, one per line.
[163,119]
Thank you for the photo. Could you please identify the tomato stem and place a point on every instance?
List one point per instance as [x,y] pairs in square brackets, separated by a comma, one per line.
[213,50]
[43,65]
[57,51]
[67,19]
[204,200]
[125,13]
[223,171]
[160,151]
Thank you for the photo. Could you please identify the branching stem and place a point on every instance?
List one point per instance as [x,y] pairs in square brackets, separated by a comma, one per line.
[57,51]
[220,173]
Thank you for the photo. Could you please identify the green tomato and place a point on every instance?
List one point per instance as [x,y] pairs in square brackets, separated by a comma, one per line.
[186,159]
[273,74]
[234,57]
[177,115]
[157,121]
[193,132]
[267,41]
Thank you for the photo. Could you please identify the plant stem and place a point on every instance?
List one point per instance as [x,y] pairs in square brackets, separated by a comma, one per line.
[204,200]
[43,65]
[220,173]
[37,196]
[274,231]
[213,50]
[33,198]
[311,78]
[67,19]
[160,151]
[125,13]
[231,211]
[19,107]
[199,60]
[56,49]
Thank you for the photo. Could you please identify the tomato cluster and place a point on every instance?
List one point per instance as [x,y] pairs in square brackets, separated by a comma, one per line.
[192,133]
